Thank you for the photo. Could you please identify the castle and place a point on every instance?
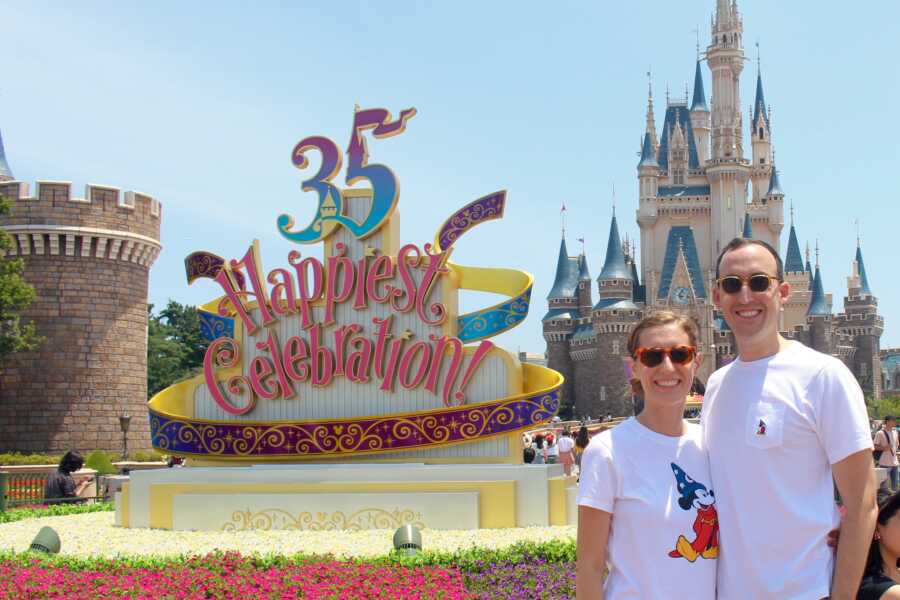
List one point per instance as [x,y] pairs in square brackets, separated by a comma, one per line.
[698,190]
[88,260]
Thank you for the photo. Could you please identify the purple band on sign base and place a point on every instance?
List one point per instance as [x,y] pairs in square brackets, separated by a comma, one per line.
[484,209]
[227,439]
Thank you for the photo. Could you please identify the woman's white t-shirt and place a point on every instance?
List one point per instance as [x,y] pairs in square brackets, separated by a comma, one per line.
[663,538]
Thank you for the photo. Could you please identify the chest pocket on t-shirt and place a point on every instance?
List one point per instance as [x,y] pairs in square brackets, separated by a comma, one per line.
[765,425]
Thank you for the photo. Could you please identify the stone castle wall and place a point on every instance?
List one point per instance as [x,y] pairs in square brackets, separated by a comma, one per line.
[88,260]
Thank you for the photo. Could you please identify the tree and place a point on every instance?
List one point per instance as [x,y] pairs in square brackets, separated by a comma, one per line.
[174,347]
[15,295]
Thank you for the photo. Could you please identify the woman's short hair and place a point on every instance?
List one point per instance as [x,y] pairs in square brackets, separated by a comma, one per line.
[659,318]
[71,461]
[888,504]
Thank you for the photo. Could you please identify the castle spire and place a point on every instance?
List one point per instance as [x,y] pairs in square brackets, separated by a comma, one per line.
[759,104]
[861,267]
[774,184]
[614,266]
[817,304]
[651,120]
[565,282]
[699,100]
[5,172]
[583,273]
[748,227]
[793,260]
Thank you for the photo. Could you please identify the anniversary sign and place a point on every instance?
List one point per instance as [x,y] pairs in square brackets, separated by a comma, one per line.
[362,352]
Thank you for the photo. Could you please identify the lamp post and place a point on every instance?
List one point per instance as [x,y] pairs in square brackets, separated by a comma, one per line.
[124,423]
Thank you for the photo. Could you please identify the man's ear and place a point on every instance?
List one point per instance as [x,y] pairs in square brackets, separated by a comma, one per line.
[784,290]
[717,297]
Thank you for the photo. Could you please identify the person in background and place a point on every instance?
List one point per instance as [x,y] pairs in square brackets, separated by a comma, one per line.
[61,486]
[886,444]
[581,442]
[540,452]
[646,506]
[881,579]
[552,450]
[566,446]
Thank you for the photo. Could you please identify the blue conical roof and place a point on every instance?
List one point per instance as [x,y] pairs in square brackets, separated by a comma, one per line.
[583,273]
[774,184]
[699,100]
[634,272]
[817,304]
[748,227]
[759,105]
[647,157]
[566,280]
[614,267]
[793,262]
[5,171]
[863,279]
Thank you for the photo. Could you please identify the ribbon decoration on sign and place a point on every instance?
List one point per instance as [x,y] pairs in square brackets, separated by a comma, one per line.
[496,319]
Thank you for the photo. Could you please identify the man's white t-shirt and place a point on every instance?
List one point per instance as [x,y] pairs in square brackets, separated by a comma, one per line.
[663,534]
[888,458]
[773,428]
[565,444]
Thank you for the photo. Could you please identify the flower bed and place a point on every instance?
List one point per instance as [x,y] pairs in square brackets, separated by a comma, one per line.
[231,576]
[99,560]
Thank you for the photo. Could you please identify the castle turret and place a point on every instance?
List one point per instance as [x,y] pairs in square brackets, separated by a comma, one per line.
[88,260]
[862,323]
[747,232]
[561,321]
[700,116]
[613,316]
[818,316]
[796,276]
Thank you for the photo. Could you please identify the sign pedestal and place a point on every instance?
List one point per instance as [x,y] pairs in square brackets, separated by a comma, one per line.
[348,496]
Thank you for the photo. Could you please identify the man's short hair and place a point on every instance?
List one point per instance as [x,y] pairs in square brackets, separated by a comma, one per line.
[890,418]
[740,243]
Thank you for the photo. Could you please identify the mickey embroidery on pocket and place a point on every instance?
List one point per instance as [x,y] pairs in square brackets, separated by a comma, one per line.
[761,429]
[695,495]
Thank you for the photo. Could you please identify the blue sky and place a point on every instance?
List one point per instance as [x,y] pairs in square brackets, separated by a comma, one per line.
[200,104]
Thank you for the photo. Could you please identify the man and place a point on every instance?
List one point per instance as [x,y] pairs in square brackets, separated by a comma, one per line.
[886,443]
[782,424]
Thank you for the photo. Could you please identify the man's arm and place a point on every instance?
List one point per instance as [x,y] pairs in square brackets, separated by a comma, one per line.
[593,536]
[855,480]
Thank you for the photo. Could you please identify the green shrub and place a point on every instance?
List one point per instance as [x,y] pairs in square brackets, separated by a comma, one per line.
[146,456]
[100,462]
[54,510]
[16,459]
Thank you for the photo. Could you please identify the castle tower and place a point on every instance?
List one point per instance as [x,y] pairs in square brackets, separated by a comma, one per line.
[760,138]
[728,171]
[818,316]
[614,314]
[700,116]
[795,274]
[88,260]
[585,302]
[561,321]
[861,321]
[747,232]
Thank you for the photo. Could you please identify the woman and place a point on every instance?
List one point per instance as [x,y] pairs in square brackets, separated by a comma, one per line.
[881,579]
[61,486]
[646,508]
[551,456]
[566,446]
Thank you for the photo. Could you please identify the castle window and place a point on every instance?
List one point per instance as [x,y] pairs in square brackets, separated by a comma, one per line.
[761,136]
[615,347]
[863,371]
[762,160]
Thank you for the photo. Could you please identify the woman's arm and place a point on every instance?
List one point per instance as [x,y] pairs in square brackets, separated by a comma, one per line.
[593,536]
